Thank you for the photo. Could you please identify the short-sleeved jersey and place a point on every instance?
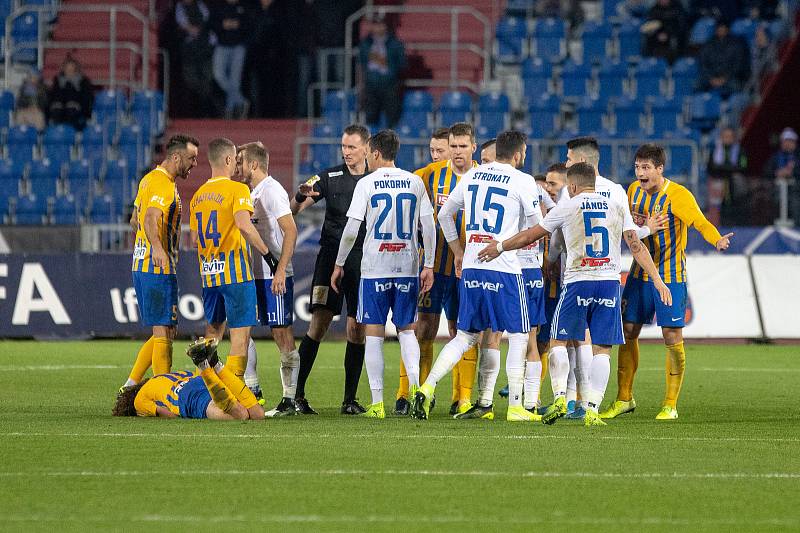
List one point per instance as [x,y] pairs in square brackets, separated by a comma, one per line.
[440,179]
[222,251]
[157,189]
[336,185]
[668,246]
[497,199]
[390,201]
[592,227]
[270,202]
[162,391]
[529,256]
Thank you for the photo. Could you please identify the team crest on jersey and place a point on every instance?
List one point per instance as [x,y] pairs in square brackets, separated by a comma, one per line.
[335,174]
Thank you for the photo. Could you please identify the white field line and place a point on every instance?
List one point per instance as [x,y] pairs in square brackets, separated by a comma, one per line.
[414,473]
[345,435]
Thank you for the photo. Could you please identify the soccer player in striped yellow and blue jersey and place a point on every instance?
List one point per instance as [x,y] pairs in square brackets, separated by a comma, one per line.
[652,195]
[157,220]
[440,178]
[220,222]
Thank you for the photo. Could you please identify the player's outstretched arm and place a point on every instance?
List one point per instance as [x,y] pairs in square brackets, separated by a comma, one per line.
[520,240]
[151,218]
[642,256]
[349,236]
[448,224]
[249,231]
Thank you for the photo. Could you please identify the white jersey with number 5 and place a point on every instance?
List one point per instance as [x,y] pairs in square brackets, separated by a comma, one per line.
[592,224]
[497,200]
[391,201]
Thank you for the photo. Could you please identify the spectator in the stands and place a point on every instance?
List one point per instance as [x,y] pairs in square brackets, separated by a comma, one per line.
[266,65]
[330,17]
[633,8]
[229,22]
[763,53]
[382,58]
[724,62]
[666,30]
[717,9]
[784,168]
[194,54]
[71,96]
[727,165]
[31,101]
[760,9]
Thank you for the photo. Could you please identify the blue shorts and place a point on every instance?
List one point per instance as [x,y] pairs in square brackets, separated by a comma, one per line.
[495,300]
[377,295]
[442,296]
[193,398]
[235,303]
[592,305]
[157,295]
[275,311]
[534,286]
[640,301]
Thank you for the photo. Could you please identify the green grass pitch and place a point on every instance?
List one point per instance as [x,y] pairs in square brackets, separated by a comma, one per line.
[730,463]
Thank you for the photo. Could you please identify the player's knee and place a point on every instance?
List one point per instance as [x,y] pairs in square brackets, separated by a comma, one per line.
[290,359]
[320,322]
[355,331]
[466,339]
[631,330]
[672,335]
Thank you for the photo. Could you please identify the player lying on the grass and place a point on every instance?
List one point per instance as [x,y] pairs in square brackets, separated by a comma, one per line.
[588,311]
[394,205]
[650,195]
[215,392]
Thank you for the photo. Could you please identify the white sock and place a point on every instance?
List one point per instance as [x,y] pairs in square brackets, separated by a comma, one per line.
[599,372]
[450,355]
[487,376]
[409,352]
[373,360]
[251,372]
[290,368]
[533,380]
[572,387]
[583,372]
[129,383]
[559,370]
[515,366]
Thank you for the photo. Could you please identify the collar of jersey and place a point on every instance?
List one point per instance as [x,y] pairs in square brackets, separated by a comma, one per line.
[164,170]
[263,183]
[217,178]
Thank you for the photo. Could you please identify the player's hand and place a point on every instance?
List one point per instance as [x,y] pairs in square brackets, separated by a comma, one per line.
[657,223]
[458,263]
[489,252]
[279,281]
[308,190]
[663,292]
[724,242]
[425,279]
[160,258]
[552,271]
[338,273]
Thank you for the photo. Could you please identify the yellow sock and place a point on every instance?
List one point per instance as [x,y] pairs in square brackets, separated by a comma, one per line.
[466,374]
[456,382]
[627,363]
[402,390]
[425,360]
[676,364]
[243,394]
[237,364]
[143,360]
[544,356]
[221,396]
[162,355]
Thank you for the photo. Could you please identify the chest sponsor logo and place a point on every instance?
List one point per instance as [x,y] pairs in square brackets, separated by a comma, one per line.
[209,268]
[391,246]
[479,238]
[485,285]
[593,262]
[441,199]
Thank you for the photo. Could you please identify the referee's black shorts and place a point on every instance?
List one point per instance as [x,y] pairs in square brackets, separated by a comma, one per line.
[322,295]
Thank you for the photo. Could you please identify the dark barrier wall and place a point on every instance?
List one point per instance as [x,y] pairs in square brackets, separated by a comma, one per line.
[91,295]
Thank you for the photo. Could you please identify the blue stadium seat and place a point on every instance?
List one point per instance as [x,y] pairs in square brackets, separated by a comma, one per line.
[25,29]
[147,108]
[649,74]
[595,37]
[6,107]
[548,39]
[65,210]
[590,115]
[679,161]
[666,113]
[30,210]
[627,116]
[9,186]
[108,105]
[610,80]
[704,110]
[745,28]
[574,79]
[11,170]
[417,109]
[684,76]
[455,106]
[338,107]
[702,31]
[43,188]
[606,161]
[21,142]
[322,131]
[493,109]
[131,146]
[101,210]
[58,141]
[322,155]
[536,76]
[44,169]
[79,170]
[407,132]
[544,113]
[610,7]
[629,40]
[511,36]
[407,157]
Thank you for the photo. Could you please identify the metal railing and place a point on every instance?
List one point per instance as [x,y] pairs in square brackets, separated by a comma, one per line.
[454,47]
[112,44]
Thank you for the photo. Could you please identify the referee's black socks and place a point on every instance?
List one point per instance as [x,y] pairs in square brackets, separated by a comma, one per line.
[308,353]
[353,362]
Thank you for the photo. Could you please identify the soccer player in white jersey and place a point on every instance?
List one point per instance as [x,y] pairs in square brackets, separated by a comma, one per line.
[394,204]
[588,310]
[498,200]
[273,219]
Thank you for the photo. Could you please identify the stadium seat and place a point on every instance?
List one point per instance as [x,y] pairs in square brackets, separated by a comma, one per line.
[30,210]
[702,31]
[536,76]
[511,35]
[454,106]
[684,76]
[493,110]
[407,132]
[65,210]
[417,109]
[44,169]
[629,40]
[322,154]
[11,170]
[589,114]
[627,116]
[6,108]
[595,37]
[337,108]
[610,8]
[58,141]
[21,142]
[745,28]
[648,76]
[666,114]
[101,210]
[610,80]
[544,113]
[574,79]
[704,110]
[94,142]
[548,39]
[606,161]
[25,29]
[147,109]
[407,157]
[131,146]
[108,105]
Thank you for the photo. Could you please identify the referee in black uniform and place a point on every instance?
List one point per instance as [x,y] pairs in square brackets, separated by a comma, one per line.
[335,185]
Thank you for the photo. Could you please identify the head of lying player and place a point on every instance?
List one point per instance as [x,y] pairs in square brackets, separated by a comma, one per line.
[580,178]
[127,395]
[511,147]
